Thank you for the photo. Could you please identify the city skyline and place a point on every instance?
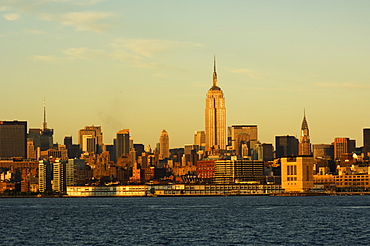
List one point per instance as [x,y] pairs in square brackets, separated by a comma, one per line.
[119,66]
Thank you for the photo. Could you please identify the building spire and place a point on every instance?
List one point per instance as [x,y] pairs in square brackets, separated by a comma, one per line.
[304,122]
[44,124]
[215,83]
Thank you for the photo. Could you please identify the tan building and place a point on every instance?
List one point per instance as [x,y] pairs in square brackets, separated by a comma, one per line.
[200,138]
[304,147]
[297,173]
[164,145]
[215,116]
[93,136]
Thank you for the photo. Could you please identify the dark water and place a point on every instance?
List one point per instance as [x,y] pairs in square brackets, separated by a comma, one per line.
[186,221]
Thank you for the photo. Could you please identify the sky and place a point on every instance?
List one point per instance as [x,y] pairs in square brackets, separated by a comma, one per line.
[147,66]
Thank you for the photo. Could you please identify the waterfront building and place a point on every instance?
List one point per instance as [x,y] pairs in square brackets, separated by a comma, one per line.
[45,176]
[122,143]
[297,173]
[237,171]
[13,139]
[286,146]
[164,145]
[206,170]
[91,135]
[304,147]
[59,176]
[74,169]
[215,116]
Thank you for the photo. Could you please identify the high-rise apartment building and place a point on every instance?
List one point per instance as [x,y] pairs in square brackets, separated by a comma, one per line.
[215,116]
[93,132]
[286,146]
[45,176]
[122,143]
[304,147]
[59,176]
[164,145]
[13,139]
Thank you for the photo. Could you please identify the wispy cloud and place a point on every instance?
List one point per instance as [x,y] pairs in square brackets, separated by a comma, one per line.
[149,47]
[4,8]
[81,21]
[83,53]
[34,32]
[11,17]
[344,85]
[251,73]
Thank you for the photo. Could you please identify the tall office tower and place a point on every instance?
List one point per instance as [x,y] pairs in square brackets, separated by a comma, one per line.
[215,116]
[304,147]
[13,139]
[123,143]
[164,145]
[366,141]
[267,152]
[341,146]
[46,138]
[200,139]
[44,176]
[95,133]
[286,146]
[59,176]
[243,138]
[323,151]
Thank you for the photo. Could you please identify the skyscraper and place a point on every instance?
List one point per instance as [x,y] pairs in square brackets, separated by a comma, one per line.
[341,146]
[123,143]
[286,146]
[42,137]
[304,147]
[46,138]
[164,145]
[94,132]
[243,138]
[366,141]
[215,115]
[13,139]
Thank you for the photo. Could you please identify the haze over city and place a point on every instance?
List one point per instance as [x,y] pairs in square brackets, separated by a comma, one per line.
[146,66]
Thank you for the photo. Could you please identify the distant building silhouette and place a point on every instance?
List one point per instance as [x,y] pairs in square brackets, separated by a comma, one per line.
[286,146]
[164,145]
[122,143]
[13,139]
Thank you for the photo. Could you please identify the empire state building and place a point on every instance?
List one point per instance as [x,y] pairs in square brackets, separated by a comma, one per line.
[215,115]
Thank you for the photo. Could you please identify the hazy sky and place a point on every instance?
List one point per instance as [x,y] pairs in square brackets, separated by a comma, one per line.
[147,66]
